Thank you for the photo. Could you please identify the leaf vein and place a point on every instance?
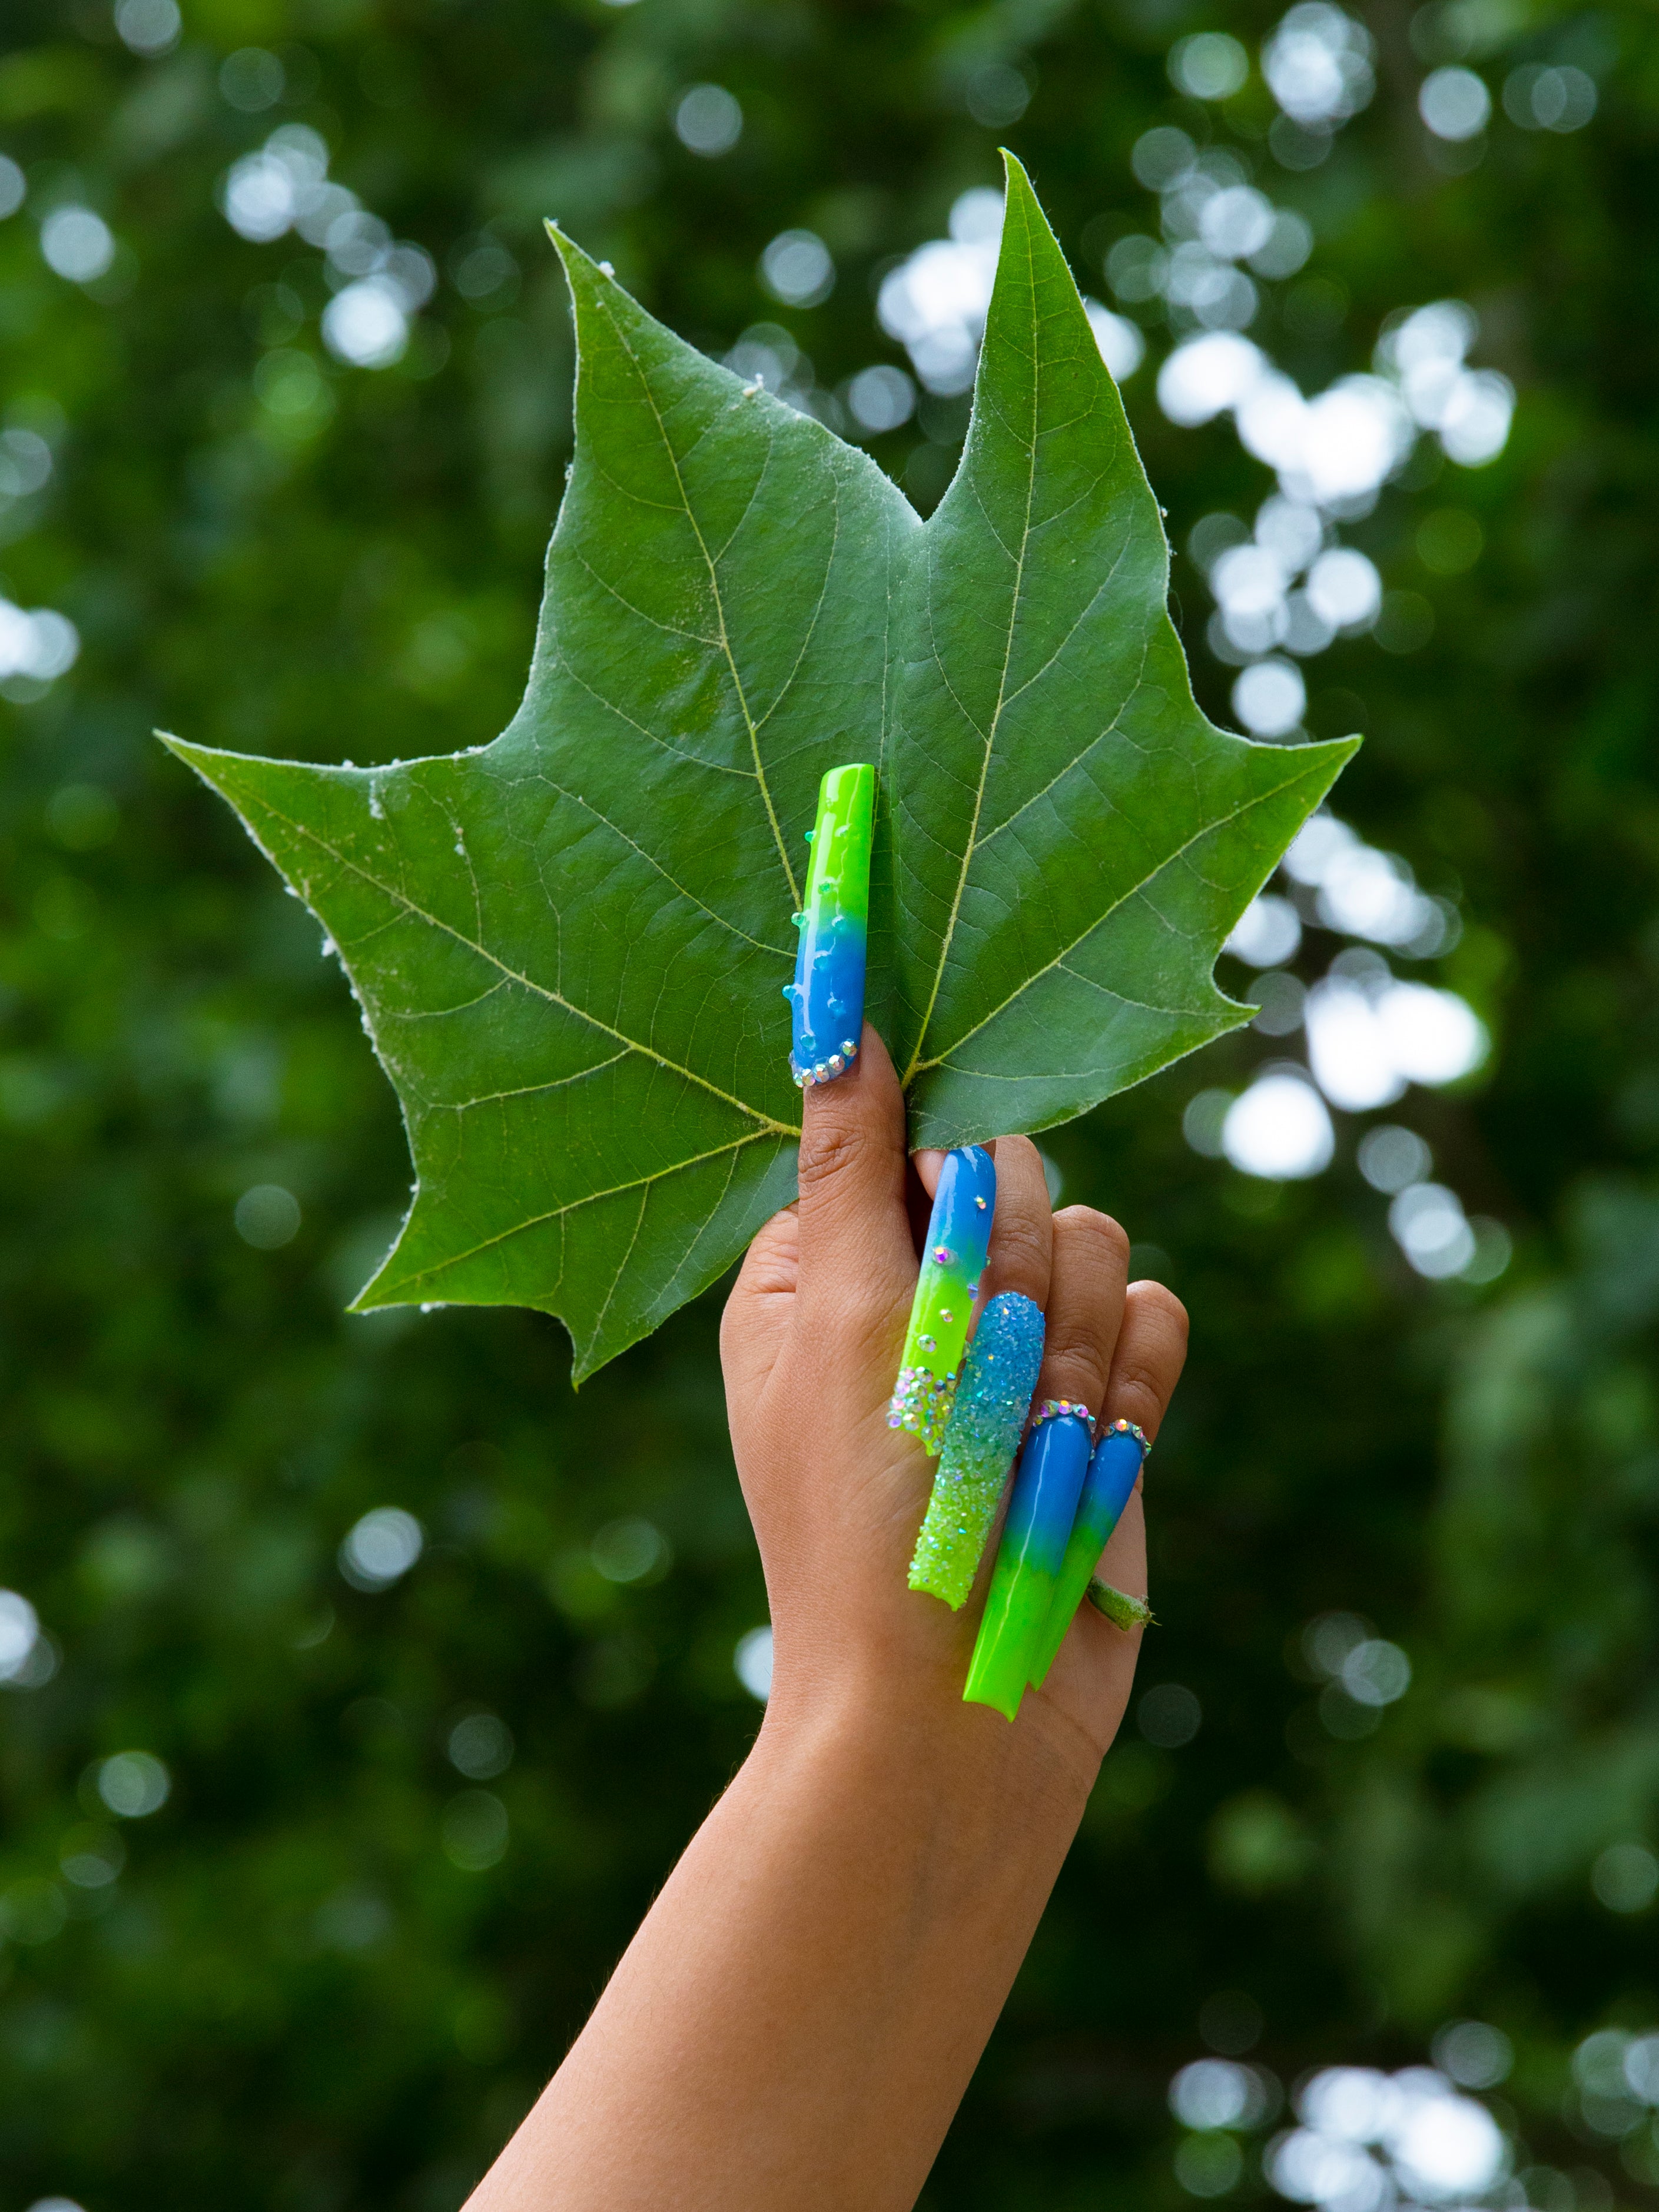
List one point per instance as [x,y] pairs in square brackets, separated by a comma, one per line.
[725,640]
[542,990]
[1205,830]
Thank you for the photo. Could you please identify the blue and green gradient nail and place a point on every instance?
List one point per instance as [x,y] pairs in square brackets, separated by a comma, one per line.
[958,1243]
[827,996]
[1107,1487]
[980,1439]
[1041,1513]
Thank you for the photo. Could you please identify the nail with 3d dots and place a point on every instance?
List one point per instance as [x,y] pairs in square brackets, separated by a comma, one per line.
[827,996]
[952,1261]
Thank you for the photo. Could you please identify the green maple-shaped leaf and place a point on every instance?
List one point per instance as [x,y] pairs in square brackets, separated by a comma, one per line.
[570,945]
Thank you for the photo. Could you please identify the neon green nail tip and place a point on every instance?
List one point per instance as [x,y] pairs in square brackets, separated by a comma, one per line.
[980,1439]
[827,996]
[1040,1512]
[1107,1488]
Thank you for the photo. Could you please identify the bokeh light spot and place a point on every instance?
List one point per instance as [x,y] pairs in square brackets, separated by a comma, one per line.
[752,1662]
[76,245]
[796,269]
[381,1548]
[1625,1878]
[1208,65]
[1454,103]
[1168,1715]
[147,27]
[474,1831]
[707,120]
[267,1216]
[481,1746]
[134,1784]
[1278,1130]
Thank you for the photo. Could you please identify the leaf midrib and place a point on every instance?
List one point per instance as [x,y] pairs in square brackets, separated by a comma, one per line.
[917,1066]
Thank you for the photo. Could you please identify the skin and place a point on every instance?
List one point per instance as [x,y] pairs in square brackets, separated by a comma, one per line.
[796,2020]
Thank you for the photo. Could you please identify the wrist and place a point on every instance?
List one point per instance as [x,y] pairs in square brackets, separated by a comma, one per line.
[961,1762]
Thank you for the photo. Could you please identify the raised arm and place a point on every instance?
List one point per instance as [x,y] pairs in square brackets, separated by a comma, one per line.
[796,2020]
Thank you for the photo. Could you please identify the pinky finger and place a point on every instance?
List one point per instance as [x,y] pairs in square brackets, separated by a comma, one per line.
[1146,1364]
[1148,1358]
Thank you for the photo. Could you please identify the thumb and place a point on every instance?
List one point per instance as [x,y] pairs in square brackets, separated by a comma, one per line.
[855,1229]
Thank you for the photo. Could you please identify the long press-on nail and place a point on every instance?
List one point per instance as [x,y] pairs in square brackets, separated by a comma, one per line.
[958,1240]
[1047,1487]
[981,1439]
[827,996]
[1106,1489]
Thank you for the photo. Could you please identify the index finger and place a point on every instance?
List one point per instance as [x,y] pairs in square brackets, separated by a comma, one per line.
[1023,1227]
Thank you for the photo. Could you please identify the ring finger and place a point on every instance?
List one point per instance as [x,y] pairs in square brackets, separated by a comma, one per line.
[1088,1267]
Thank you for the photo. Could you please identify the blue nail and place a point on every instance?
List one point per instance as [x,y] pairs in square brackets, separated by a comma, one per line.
[1106,1491]
[1040,1512]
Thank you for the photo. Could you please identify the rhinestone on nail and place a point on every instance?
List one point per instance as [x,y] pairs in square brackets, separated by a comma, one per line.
[921,1402]
[1127,1429]
[1054,1409]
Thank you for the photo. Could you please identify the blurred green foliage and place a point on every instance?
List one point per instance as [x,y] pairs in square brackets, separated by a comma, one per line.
[317,1982]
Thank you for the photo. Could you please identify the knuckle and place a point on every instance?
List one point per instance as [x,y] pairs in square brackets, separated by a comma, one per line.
[1136,1396]
[868,1313]
[1020,1155]
[1159,1306]
[772,1261]
[1094,1240]
[1108,1238]
[1150,1357]
[832,1151]
[1073,1366]
[1021,1251]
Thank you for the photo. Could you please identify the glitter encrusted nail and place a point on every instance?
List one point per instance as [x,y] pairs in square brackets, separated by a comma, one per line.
[980,1439]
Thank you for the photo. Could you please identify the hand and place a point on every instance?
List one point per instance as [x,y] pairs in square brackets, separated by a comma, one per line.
[811,1343]
[796,2019]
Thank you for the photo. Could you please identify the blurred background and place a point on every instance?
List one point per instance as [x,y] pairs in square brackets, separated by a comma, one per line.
[360,1681]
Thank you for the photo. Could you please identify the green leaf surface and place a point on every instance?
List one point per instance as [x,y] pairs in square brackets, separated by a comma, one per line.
[568,945]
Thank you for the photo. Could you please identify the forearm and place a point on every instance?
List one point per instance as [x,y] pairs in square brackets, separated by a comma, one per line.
[796,2020]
